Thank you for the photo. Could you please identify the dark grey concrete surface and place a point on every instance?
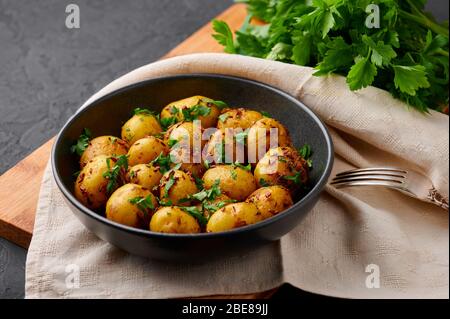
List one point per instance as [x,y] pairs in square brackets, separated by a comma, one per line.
[47,70]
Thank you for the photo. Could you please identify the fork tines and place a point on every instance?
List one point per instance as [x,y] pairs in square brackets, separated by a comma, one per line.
[376,176]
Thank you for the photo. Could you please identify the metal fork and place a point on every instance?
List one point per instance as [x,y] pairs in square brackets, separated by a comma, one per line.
[409,182]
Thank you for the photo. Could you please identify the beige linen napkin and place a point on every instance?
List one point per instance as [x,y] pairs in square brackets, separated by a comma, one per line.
[349,232]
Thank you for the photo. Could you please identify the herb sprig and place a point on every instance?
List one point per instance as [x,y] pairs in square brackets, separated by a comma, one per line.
[114,172]
[82,142]
[145,204]
[406,54]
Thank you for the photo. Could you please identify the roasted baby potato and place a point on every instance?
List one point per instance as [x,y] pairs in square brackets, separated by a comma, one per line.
[175,186]
[131,205]
[140,125]
[146,175]
[185,140]
[90,186]
[282,166]
[145,150]
[271,200]
[223,147]
[173,220]
[233,216]
[196,170]
[259,136]
[235,182]
[103,145]
[238,118]
[198,107]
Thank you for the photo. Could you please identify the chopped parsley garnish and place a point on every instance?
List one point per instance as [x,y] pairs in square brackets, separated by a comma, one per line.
[266,114]
[170,182]
[306,153]
[114,172]
[172,142]
[163,202]
[140,111]
[247,167]
[145,204]
[233,174]
[220,104]
[208,194]
[263,182]
[192,113]
[163,162]
[196,213]
[167,122]
[296,178]
[82,143]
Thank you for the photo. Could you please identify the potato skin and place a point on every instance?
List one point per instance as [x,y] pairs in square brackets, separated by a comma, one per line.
[239,118]
[233,216]
[183,186]
[146,175]
[90,186]
[175,109]
[139,126]
[271,200]
[103,145]
[173,220]
[121,210]
[279,163]
[260,132]
[194,169]
[145,150]
[235,182]
[222,148]
[185,133]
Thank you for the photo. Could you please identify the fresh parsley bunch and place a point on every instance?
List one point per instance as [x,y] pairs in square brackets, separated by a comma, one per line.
[407,55]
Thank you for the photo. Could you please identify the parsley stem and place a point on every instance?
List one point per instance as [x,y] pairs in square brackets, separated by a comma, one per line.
[426,22]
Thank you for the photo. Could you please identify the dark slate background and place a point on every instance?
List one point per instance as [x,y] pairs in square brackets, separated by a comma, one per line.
[47,71]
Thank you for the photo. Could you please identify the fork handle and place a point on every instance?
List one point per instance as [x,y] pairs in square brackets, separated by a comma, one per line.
[437,199]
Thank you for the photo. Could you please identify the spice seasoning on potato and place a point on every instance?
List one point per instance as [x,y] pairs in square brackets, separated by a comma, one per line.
[131,205]
[233,216]
[140,125]
[146,149]
[173,220]
[235,182]
[271,200]
[103,145]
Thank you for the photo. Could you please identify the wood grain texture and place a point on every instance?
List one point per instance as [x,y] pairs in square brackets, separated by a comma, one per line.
[18,208]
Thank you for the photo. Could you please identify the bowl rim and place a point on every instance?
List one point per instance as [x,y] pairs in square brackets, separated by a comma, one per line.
[318,187]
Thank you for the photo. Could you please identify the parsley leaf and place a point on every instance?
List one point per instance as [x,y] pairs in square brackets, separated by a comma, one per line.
[114,172]
[224,35]
[220,104]
[196,213]
[82,143]
[163,162]
[410,78]
[145,204]
[138,111]
[361,74]
[306,153]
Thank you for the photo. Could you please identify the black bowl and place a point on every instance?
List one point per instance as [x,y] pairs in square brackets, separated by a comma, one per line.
[105,117]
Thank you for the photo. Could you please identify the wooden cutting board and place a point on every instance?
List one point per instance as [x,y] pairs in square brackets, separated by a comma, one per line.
[19,187]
